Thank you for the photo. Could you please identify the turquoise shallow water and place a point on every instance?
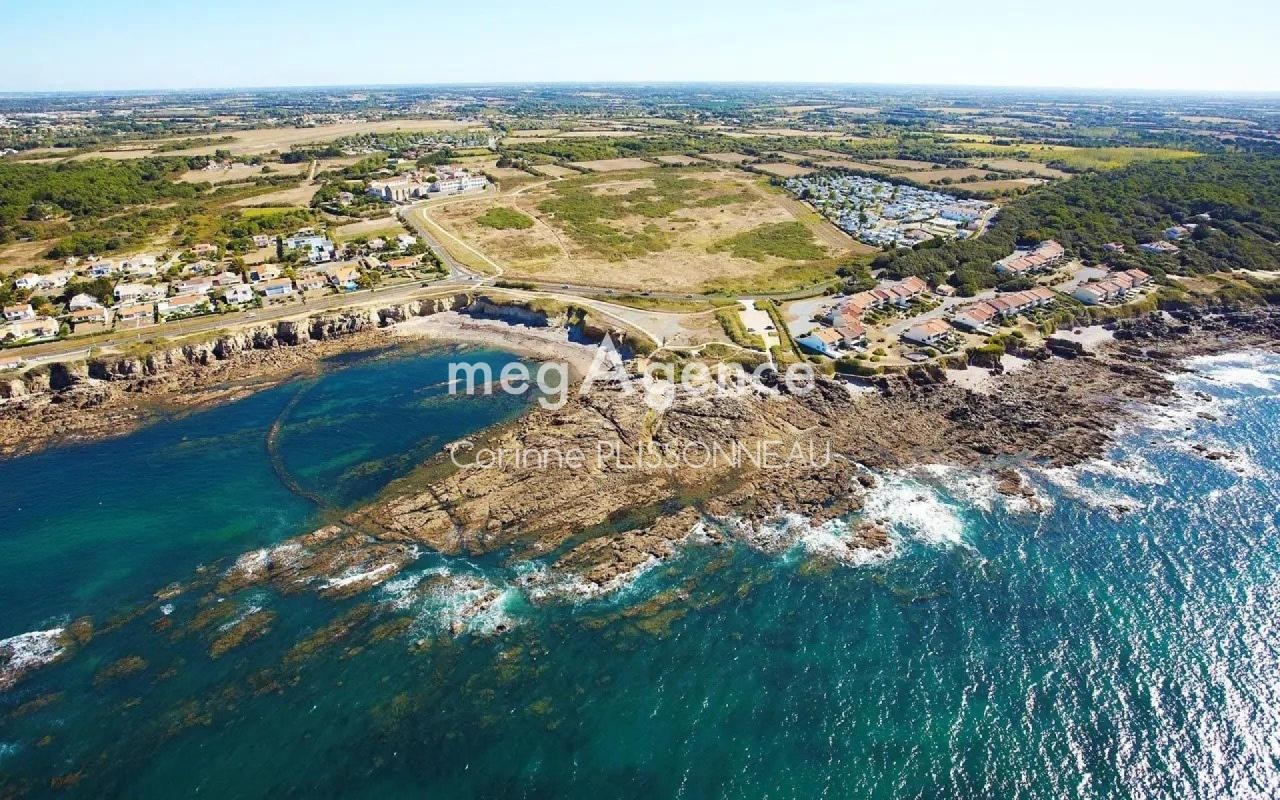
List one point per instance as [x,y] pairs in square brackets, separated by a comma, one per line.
[1122,641]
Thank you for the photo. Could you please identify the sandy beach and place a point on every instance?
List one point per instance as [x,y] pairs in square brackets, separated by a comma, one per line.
[541,344]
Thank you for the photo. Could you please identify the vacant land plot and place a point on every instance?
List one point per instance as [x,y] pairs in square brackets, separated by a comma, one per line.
[796,132]
[792,156]
[1079,158]
[554,170]
[862,166]
[825,154]
[1007,186]
[954,175]
[1019,165]
[784,170]
[641,229]
[295,197]
[725,158]
[680,161]
[904,163]
[369,228]
[613,164]
[242,172]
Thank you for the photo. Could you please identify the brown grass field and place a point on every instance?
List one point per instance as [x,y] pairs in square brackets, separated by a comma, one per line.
[955,174]
[1009,186]
[825,154]
[725,158]
[679,161]
[242,172]
[554,170]
[784,170]
[704,207]
[297,196]
[904,163]
[861,166]
[1019,165]
[613,164]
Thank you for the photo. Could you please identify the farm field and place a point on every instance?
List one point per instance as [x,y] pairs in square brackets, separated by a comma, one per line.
[554,170]
[955,174]
[381,226]
[613,164]
[904,163]
[725,158]
[241,172]
[1006,186]
[675,228]
[680,161]
[297,196]
[818,153]
[1019,165]
[858,165]
[784,170]
[1079,158]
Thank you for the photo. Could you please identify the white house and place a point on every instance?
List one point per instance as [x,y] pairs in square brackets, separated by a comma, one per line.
[929,332]
[15,313]
[238,293]
[280,287]
[83,301]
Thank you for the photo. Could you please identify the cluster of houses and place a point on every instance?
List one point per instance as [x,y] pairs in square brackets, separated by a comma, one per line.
[1042,257]
[979,317]
[847,329]
[418,185]
[142,295]
[1115,287]
[882,213]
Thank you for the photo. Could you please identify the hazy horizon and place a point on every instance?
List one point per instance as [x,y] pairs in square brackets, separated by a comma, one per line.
[1134,46]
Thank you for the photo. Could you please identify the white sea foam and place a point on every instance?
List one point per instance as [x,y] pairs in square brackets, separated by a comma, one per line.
[166,609]
[978,489]
[1067,480]
[907,506]
[349,577]
[542,584]
[1257,370]
[461,602]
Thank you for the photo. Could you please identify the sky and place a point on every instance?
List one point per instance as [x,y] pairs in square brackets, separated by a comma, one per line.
[1098,44]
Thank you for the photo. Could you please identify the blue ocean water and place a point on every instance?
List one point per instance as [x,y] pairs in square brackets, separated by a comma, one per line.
[1115,636]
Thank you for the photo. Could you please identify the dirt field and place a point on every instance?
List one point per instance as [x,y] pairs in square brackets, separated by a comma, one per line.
[1004,186]
[792,156]
[613,164]
[796,132]
[298,196]
[241,172]
[680,161]
[904,163]
[21,255]
[956,174]
[1018,165]
[697,209]
[858,165]
[725,158]
[554,170]
[825,154]
[784,170]
[365,227]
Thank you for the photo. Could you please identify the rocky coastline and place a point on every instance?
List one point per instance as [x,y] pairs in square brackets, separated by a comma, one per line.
[598,521]
[592,527]
[115,393]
